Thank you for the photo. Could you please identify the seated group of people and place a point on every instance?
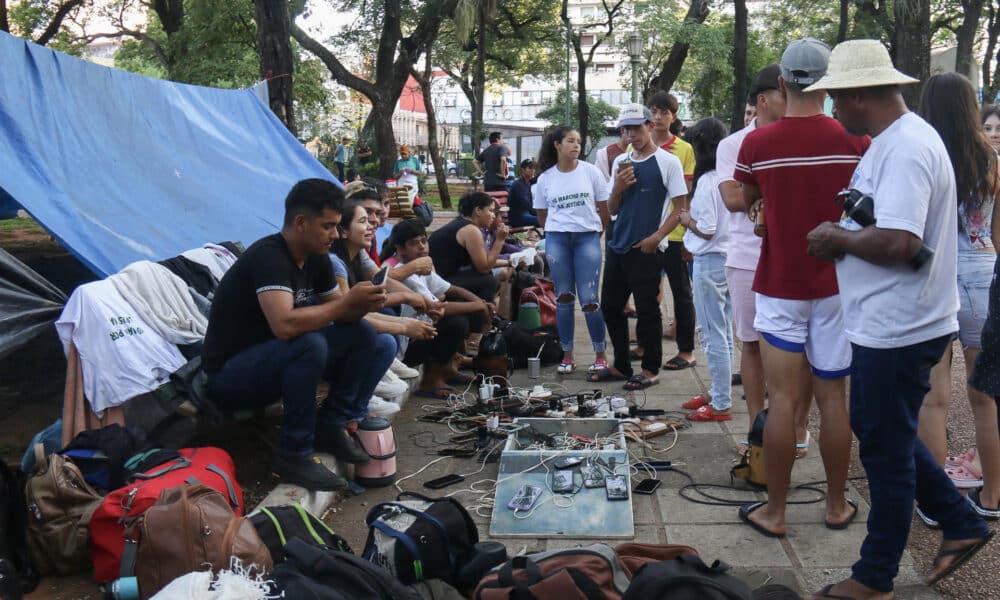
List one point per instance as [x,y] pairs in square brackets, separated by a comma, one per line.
[300,307]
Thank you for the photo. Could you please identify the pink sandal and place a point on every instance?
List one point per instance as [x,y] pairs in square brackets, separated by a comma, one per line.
[965,476]
[953,462]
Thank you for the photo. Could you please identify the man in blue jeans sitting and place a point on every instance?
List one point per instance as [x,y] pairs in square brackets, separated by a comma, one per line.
[275,330]
[899,315]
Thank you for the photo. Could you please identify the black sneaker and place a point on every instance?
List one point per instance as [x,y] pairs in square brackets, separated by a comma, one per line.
[309,473]
[336,441]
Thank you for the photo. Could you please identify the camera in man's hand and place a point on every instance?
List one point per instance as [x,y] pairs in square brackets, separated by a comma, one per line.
[860,208]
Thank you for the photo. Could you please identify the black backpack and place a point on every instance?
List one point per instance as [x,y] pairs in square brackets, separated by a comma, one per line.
[417,538]
[686,577]
[17,575]
[523,344]
[324,574]
[277,525]
[100,454]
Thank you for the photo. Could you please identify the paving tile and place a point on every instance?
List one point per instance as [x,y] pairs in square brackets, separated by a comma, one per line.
[647,534]
[737,545]
[816,546]
[677,510]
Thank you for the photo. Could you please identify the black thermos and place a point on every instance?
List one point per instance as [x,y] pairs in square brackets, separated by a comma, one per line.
[861,208]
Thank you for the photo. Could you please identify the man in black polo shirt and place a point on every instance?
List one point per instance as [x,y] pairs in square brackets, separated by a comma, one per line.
[492,162]
[275,330]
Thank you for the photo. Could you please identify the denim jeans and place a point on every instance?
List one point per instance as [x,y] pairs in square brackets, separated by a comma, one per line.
[887,388]
[975,273]
[291,370]
[575,261]
[671,261]
[345,409]
[715,324]
[638,274]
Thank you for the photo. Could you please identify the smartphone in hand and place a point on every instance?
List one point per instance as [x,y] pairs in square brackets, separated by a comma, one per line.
[379,277]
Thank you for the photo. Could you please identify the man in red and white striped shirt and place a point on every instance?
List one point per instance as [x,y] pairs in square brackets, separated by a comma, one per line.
[797,165]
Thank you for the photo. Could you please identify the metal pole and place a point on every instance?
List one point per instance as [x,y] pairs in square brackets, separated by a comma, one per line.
[568,42]
[635,80]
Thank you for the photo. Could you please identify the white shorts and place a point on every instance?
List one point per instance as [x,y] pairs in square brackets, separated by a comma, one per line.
[740,283]
[815,327]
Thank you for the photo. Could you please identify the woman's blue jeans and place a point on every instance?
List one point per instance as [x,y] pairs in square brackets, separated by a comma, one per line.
[575,261]
[715,323]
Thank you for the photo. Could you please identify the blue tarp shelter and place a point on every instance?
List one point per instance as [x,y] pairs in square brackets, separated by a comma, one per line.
[119,167]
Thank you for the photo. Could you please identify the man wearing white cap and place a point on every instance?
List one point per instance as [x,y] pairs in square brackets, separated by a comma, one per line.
[797,165]
[900,305]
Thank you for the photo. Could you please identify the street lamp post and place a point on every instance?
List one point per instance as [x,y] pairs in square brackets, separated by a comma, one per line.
[634,47]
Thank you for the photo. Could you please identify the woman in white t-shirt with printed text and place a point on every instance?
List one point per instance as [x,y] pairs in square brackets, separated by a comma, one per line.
[571,199]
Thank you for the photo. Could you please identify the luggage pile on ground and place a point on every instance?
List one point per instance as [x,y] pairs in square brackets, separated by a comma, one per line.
[176,527]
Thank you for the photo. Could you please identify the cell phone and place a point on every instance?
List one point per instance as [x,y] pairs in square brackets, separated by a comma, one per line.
[562,482]
[525,498]
[379,277]
[441,482]
[647,486]
[658,465]
[567,462]
[616,487]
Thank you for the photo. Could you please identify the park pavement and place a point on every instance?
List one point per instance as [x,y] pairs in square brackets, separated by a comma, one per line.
[809,557]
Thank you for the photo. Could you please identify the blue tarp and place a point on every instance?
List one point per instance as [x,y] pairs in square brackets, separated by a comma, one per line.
[119,167]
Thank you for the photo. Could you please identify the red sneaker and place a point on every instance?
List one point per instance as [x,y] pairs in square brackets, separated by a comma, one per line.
[695,403]
[705,413]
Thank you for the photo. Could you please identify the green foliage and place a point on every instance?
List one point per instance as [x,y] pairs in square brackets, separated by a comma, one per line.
[601,114]
[29,18]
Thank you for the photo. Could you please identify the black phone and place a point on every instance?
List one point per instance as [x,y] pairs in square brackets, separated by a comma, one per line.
[567,462]
[442,482]
[647,486]
[379,278]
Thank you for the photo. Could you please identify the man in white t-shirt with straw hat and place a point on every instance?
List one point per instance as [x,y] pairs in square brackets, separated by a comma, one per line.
[899,314]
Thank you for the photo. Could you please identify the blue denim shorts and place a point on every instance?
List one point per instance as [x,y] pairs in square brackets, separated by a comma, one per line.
[975,273]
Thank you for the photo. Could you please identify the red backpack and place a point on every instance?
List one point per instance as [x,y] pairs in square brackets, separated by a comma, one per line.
[212,467]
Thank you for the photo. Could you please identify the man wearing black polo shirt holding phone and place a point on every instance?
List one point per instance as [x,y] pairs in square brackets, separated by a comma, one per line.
[275,330]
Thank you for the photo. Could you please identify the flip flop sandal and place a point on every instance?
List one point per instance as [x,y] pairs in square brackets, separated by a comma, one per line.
[565,368]
[605,374]
[678,364]
[695,403]
[639,382]
[843,524]
[750,507]
[707,414]
[825,593]
[964,553]
[435,393]
[953,462]
[743,447]
[965,477]
[990,514]
[597,366]
[802,448]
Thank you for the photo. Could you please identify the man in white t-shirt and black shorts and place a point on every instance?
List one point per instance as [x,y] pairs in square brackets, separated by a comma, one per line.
[797,165]
[899,312]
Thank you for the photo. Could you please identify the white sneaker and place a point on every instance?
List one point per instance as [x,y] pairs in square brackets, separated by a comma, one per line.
[382,408]
[399,368]
[391,386]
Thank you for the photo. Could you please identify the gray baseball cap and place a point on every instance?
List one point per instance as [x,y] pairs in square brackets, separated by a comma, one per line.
[634,114]
[805,61]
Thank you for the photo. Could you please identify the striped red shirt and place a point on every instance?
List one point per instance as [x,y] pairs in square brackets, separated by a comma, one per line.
[799,164]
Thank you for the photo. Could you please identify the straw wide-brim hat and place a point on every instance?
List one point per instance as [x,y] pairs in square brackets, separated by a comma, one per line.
[860,64]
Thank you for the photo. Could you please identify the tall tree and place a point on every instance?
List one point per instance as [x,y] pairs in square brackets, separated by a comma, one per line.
[38,21]
[698,11]
[276,63]
[601,31]
[844,21]
[965,36]
[739,64]
[425,77]
[396,54]
[991,74]
[911,47]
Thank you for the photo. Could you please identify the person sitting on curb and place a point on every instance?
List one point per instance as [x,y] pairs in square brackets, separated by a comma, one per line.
[276,329]
[452,306]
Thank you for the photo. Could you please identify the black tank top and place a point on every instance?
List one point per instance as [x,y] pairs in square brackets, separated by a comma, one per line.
[448,255]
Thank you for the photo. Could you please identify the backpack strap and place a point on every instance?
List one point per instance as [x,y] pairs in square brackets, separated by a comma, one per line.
[41,461]
[716,568]
[418,564]
[505,577]
[277,524]
[233,500]
[591,590]
[178,463]
[307,521]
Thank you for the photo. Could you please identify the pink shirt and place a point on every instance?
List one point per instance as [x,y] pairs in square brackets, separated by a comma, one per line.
[743,249]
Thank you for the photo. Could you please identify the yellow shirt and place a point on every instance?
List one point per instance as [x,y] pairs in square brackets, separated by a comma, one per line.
[685,153]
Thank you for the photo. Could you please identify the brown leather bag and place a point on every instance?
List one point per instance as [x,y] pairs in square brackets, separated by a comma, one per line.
[60,503]
[633,555]
[192,528]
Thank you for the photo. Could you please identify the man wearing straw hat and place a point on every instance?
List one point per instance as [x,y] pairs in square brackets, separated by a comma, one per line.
[899,317]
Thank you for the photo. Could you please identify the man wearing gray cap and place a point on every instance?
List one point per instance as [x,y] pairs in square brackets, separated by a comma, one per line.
[647,194]
[901,303]
[797,166]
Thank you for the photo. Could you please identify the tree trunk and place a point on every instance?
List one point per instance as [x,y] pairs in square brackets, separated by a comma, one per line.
[739,66]
[911,49]
[53,27]
[479,81]
[385,139]
[4,22]
[844,16]
[991,85]
[697,13]
[966,36]
[276,64]
[425,80]
[583,102]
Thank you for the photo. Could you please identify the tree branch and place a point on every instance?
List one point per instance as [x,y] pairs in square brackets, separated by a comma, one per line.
[337,70]
[56,22]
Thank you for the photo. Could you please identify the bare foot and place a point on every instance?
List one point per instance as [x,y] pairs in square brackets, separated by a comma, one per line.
[952,554]
[840,517]
[849,589]
[773,523]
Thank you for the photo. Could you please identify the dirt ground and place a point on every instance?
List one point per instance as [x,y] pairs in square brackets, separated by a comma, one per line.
[31,387]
